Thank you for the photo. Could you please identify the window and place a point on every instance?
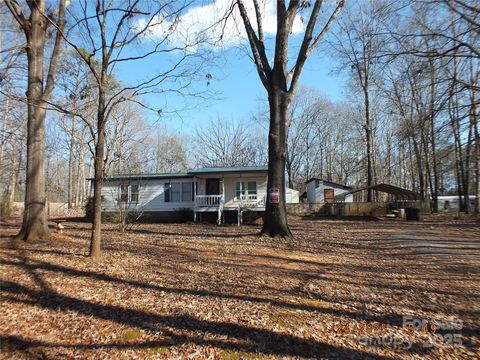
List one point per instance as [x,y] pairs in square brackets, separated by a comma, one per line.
[187,191]
[179,192]
[246,188]
[252,188]
[129,193]
[134,193]
[123,193]
[175,192]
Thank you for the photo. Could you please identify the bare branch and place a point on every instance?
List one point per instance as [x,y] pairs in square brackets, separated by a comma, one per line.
[257,47]
[18,14]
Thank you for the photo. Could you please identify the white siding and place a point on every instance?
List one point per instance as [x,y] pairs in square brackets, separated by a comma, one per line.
[311,192]
[151,195]
[291,196]
[152,192]
[316,195]
[319,192]
[452,203]
[230,190]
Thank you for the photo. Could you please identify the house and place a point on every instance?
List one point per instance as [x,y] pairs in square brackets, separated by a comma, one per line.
[452,203]
[203,190]
[325,191]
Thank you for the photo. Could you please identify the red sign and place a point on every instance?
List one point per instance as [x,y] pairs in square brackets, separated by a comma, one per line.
[273,196]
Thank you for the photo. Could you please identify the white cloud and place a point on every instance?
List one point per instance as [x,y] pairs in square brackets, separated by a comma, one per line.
[205,22]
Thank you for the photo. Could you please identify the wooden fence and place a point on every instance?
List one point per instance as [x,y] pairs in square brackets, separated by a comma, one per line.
[353,208]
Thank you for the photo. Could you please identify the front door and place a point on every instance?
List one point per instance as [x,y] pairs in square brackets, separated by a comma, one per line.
[328,195]
[212,187]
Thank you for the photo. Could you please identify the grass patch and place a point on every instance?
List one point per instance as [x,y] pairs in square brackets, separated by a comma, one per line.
[158,350]
[237,355]
[312,303]
[131,334]
[286,319]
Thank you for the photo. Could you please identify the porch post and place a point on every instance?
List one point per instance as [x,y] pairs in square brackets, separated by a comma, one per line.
[223,199]
[241,190]
[194,198]
[239,215]
[223,188]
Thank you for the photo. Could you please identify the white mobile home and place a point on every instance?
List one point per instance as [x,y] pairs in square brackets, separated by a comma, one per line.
[200,190]
[452,203]
[325,191]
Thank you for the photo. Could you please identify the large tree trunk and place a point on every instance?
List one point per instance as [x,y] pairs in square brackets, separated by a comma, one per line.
[98,179]
[35,225]
[275,222]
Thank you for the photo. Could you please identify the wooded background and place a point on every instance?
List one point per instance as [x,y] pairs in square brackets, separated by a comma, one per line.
[411,118]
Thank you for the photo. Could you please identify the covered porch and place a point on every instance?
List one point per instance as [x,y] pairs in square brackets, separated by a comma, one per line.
[217,191]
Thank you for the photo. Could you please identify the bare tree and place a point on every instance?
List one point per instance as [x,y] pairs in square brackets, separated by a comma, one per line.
[226,143]
[76,95]
[125,133]
[359,43]
[35,27]
[281,83]
[169,153]
[117,33]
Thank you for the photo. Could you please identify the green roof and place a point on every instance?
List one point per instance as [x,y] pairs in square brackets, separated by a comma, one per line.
[233,169]
[205,170]
[148,176]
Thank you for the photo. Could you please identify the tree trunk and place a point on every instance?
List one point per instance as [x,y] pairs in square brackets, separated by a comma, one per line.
[477,167]
[476,149]
[458,175]
[35,225]
[459,157]
[71,164]
[16,164]
[419,163]
[289,167]
[98,178]
[3,137]
[275,222]
[80,185]
[435,189]
[436,184]
[466,176]
[428,171]
[368,139]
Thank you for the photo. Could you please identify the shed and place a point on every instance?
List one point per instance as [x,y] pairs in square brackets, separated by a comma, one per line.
[321,191]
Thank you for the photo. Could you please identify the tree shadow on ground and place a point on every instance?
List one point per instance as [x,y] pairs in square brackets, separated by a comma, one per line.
[237,337]
[391,319]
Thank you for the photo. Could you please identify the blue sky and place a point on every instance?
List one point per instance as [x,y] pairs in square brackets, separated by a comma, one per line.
[235,79]
[240,92]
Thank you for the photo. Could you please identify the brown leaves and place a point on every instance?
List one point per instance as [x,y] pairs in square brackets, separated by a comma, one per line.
[202,291]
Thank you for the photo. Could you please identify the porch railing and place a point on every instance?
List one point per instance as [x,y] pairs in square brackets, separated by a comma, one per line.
[248,198]
[208,200]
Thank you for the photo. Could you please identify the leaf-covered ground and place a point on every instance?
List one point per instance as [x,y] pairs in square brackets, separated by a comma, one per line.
[343,290]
